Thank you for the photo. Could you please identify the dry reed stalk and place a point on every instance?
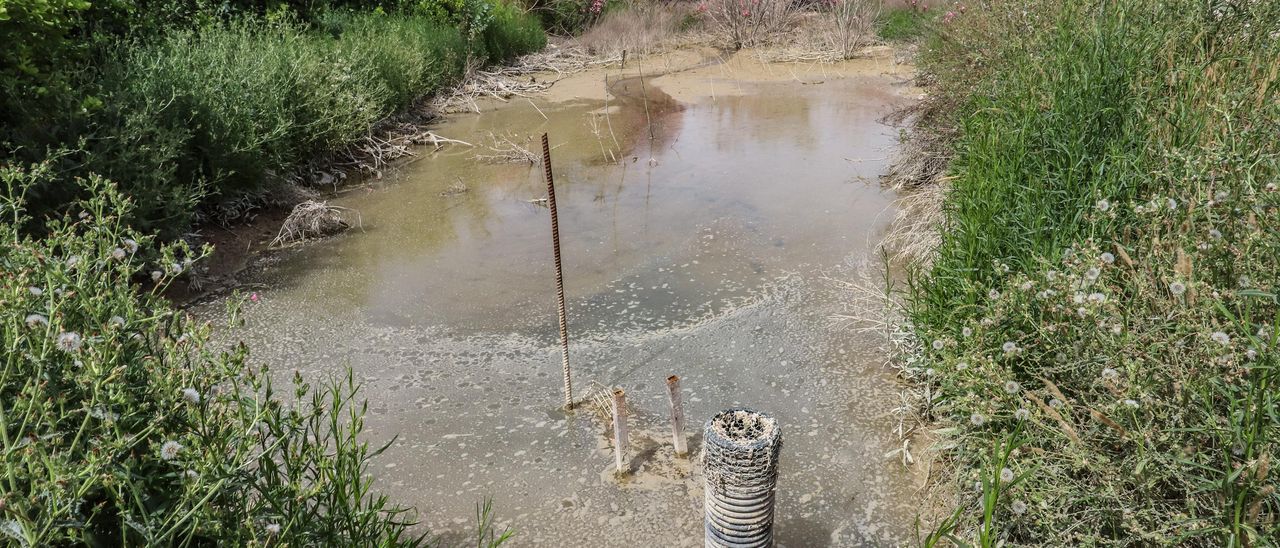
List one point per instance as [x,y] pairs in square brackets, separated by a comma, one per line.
[310,219]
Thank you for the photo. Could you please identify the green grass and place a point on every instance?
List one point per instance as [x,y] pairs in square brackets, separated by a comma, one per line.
[903,24]
[1106,282]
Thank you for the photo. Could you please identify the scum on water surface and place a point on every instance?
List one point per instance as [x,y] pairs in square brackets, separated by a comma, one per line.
[702,252]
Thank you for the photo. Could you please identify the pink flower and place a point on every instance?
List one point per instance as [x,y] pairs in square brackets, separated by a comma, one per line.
[254,297]
[948,17]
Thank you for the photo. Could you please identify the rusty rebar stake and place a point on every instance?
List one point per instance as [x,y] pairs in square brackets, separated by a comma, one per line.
[555,249]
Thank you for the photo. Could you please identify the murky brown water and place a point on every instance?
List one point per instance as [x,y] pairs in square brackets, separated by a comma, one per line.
[703,252]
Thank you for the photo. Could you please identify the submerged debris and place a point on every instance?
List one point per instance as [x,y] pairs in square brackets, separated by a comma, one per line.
[506,150]
[310,219]
[518,79]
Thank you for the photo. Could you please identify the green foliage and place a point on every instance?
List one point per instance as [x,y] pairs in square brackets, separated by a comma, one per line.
[565,17]
[120,424]
[1106,283]
[903,24]
[511,33]
[209,118]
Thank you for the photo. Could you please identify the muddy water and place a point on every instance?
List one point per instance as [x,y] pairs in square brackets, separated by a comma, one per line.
[700,236]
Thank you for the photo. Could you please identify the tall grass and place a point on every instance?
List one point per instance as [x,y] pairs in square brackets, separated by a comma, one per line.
[1106,282]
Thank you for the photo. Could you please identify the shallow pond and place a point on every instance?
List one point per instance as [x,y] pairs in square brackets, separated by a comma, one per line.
[703,215]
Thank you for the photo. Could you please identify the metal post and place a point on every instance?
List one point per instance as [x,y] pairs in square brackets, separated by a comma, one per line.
[677,416]
[740,451]
[620,430]
[555,248]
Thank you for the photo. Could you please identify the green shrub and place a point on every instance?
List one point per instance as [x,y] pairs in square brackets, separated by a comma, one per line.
[211,119]
[511,33]
[1100,324]
[219,115]
[122,425]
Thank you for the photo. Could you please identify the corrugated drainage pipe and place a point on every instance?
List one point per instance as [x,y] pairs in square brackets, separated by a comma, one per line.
[740,462]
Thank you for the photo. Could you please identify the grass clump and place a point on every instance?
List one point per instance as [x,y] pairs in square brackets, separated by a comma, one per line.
[1100,321]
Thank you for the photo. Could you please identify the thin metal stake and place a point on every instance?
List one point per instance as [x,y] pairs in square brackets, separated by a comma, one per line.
[555,247]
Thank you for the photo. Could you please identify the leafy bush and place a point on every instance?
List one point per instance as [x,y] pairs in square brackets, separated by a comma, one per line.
[1100,323]
[122,425]
[511,33]
[214,116]
[217,115]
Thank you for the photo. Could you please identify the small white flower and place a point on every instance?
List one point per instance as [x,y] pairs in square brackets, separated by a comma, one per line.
[1021,414]
[986,322]
[1132,404]
[1244,281]
[1055,403]
[1221,195]
[961,366]
[1215,234]
[1012,387]
[131,245]
[1251,354]
[1097,298]
[1093,273]
[967,332]
[1018,507]
[118,254]
[938,344]
[1104,206]
[273,529]
[1006,475]
[116,321]
[1271,187]
[1177,288]
[1009,347]
[977,419]
[930,372]
[156,275]
[72,261]
[191,395]
[1110,374]
[176,268]
[192,474]
[170,449]
[1172,203]
[1082,312]
[1051,275]
[993,294]
[35,291]
[1220,338]
[1108,258]
[1078,298]
[36,320]
[69,341]
[1026,286]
